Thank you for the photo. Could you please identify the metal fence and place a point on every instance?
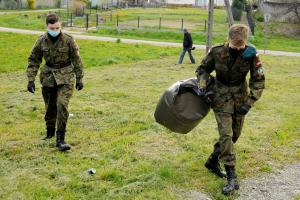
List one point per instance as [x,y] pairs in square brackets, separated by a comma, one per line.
[93,19]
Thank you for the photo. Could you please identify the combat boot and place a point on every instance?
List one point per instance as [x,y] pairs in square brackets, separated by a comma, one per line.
[60,142]
[213,165]
[50,133]
[232,183]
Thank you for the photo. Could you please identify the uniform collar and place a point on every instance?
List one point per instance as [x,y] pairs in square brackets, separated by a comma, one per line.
[224,53]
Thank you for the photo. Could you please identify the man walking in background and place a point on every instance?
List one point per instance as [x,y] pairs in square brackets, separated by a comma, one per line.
[187,47]
[63,65]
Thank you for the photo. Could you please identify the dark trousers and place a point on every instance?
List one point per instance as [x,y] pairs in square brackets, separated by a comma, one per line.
[184,50]
[56,103]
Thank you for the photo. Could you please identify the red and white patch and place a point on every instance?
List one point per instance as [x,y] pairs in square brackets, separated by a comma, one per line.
[257,61]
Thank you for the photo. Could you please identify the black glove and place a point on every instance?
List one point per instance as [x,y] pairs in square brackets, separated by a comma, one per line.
[79,86]
[31,86]
[243,109]
[202,91]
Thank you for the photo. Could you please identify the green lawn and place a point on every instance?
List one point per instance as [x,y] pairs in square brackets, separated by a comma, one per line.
[112,130]
[268,37]
[94,53]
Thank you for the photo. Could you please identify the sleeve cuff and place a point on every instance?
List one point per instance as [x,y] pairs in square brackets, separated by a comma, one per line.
[250,101]
[78,79]
[31,79]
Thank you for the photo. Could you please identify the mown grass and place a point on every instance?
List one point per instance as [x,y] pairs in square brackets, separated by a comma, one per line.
[112,130]
[94,53]
[266,37]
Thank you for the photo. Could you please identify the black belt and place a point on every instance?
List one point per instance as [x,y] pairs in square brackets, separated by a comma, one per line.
[231,82]
[58,65]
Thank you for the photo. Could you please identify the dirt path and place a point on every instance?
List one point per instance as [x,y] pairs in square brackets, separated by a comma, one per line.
[27,11]
[134,41]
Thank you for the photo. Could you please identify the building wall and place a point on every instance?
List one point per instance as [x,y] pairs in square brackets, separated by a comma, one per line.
[281,12]
[204,3]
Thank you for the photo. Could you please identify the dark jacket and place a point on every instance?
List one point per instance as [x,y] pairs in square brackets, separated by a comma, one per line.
[187,41]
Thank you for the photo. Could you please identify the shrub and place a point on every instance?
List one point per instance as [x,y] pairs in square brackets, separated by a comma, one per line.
[237,9]
[31,4]
[258,16]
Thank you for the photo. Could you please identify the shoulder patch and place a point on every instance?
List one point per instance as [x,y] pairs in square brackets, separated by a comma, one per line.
[257,61]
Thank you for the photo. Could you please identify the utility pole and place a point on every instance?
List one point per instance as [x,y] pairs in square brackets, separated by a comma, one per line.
[229,13]
[210,24]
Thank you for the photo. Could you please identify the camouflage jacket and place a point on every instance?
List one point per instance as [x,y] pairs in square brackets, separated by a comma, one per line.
[63,62]
[230,89]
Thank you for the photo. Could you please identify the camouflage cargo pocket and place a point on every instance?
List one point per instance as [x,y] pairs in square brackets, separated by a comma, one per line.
[221,67]
[244,67]
[46,51]
[221,95]
[66,75]
[47,78]
[63,53]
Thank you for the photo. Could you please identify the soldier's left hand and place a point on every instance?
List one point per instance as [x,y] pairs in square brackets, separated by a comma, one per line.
[31,86]
[79,86]
[243,109]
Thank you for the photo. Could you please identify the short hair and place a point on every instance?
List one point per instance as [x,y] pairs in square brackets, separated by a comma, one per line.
[238,34]
[185,30]
[52,18]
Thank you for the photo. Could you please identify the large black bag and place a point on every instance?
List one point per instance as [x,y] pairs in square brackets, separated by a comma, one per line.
[181,108]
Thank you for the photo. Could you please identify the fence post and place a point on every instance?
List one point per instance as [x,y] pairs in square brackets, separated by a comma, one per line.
[205,22]
[117,20]
[97,20]
[110,15]
[87,21]
[159,23]
[138,22]
[97,8]
[181,24]
[71,19]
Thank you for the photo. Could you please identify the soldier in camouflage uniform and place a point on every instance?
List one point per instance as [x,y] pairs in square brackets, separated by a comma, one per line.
[63,66]
[232,100]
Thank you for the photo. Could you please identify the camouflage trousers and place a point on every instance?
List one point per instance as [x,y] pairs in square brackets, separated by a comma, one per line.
[56,102]
[230,128]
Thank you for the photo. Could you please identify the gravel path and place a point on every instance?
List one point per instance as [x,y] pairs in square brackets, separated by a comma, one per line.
[283,185]
[134,41]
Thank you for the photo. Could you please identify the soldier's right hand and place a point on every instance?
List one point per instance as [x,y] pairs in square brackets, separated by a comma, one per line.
[202,91]
[79,86]
[31,86]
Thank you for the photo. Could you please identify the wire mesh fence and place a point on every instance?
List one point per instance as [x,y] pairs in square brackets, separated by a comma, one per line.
[109,19]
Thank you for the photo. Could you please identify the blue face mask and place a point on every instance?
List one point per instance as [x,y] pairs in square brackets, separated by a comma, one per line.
[53,33]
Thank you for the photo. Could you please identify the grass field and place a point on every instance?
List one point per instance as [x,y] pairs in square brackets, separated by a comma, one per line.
[112,130]
[93,53]
[275,36]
